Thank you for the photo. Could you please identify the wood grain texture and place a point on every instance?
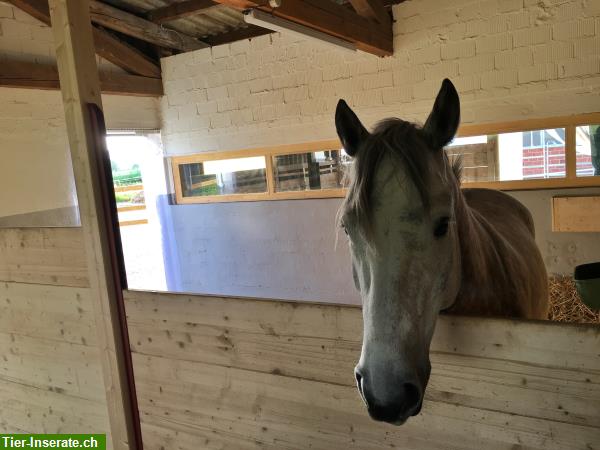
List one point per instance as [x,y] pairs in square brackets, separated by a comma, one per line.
[576,214]
[372,9]
[45,76]
[80,89]
[132,25]
[52,256]
[50,379]
[329,18]
[106,45]
[249,32]
[178,10]
[245,373]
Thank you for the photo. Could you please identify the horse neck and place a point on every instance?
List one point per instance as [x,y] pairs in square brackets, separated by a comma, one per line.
[476,251]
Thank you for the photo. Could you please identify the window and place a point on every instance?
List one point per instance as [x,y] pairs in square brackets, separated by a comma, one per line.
[521,155]
[587,147]
[479,156]
[531,154]
[544,157]
[313,170]
[224,177]
[310,171]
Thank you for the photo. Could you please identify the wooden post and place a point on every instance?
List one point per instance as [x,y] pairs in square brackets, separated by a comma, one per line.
[571,152]
[83,113]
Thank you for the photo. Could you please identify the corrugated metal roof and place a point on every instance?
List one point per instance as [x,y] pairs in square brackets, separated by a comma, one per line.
[211,21]
[216,20]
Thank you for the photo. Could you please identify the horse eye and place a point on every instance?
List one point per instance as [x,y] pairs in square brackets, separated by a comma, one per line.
[441,228]
[343,227]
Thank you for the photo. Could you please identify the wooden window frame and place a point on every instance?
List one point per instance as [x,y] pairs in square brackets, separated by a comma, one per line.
[268,153]
[569,123]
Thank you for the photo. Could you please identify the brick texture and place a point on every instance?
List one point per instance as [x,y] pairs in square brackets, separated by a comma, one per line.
[35,170]
[509,59]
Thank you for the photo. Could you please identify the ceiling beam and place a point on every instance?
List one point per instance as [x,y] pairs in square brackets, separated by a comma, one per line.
[107,46]
[251,31]
[243,4]
[178,10]
[45,76]
[132,25]
[124,55]
[329,18]
[372,9]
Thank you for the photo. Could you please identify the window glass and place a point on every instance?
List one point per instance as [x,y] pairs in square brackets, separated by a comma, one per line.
[588,150]
[224,177]
[310,171]
[511,156]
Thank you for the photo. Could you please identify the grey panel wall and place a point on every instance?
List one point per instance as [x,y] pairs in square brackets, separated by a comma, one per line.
[561,251]
[286,249]
[275,249]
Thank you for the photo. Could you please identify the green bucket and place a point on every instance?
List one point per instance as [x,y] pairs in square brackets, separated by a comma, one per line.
[587,281]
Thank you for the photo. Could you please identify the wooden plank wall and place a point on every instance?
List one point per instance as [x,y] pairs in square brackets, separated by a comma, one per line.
[224,373]
[43,256]
[50,374]
[576,214]
[229,373]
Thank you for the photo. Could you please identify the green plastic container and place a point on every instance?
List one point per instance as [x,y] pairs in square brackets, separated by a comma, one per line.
[587,281]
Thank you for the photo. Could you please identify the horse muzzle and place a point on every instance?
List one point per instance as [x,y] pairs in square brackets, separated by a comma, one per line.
[397,406]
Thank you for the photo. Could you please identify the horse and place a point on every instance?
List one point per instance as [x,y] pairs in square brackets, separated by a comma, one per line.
[421,245]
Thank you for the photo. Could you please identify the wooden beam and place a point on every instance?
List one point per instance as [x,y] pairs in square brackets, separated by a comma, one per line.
[330,18]
[178,10]
[243,4]
[124,55]
[107,46]
[142,29]
[35,8]
[83,113]
[249,32]
[372,9]
[45,76]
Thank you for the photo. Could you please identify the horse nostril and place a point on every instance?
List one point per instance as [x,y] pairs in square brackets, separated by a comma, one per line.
[359,385]
[358,377]
[407,402]
[412,398]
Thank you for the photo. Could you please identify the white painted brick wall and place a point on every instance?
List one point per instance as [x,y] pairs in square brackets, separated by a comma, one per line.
[24,38]
[510,59]
[35,169]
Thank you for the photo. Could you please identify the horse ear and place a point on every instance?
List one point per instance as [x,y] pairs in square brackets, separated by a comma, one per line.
[349,128]
[443,121]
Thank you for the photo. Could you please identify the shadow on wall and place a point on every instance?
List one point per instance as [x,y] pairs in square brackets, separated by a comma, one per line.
[275,249]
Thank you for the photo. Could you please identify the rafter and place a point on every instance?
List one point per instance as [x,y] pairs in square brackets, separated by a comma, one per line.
[251,31]
[372,9]
[44,76]
[329,18]
[107,46]
[124,55]
[178,10]
[142,29]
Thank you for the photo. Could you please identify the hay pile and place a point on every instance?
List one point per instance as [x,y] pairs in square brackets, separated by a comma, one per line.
[565,304]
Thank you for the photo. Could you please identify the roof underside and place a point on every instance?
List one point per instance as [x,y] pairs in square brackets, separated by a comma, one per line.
[213,21]
[135,34]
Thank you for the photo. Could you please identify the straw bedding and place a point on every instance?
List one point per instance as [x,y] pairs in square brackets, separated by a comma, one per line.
[565,304]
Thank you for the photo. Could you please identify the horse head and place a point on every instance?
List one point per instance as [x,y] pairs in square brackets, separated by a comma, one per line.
[399,216]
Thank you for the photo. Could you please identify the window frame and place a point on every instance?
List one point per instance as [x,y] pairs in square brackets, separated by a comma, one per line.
[268,153]
[569,123]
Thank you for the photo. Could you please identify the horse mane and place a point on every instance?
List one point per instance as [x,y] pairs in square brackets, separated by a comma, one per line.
[404,141]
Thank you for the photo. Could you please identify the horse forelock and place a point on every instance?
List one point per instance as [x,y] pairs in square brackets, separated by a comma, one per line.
[404,141]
